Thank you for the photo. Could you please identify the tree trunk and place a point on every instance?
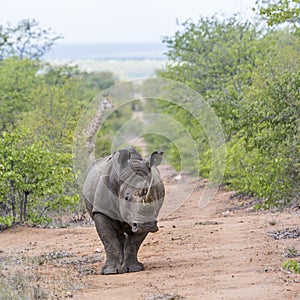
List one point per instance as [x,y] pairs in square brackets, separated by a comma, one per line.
[13,198]
[21,206]
[25,205]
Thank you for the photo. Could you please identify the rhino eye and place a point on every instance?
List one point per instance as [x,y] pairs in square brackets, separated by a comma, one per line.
[143,192]
[127,196]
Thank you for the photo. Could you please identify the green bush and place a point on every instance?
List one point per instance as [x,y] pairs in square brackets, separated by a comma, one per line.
[291,265]
[33,178]
[251,79]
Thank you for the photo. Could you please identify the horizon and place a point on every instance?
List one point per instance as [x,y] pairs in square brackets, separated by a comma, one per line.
[107,51]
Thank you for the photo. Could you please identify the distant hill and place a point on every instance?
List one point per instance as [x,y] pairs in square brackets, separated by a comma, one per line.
[130,51]
[124,69]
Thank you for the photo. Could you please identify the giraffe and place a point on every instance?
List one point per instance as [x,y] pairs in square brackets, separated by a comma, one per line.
[93,125]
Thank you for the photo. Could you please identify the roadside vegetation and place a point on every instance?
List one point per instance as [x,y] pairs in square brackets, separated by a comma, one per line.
[39,108]
[248,72]
[250,75]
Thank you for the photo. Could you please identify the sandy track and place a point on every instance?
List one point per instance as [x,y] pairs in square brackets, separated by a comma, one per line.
[213,253]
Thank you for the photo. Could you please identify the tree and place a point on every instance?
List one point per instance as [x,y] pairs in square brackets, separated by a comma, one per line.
[216,58]
[33,177]
[55,111]
[26,40]
[48,100]
[279,11]
[98,81]
[17,81]
[270,128]
[251,80]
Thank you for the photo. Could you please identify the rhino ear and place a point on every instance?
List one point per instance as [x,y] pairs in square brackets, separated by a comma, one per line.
[155,158]
[124,155]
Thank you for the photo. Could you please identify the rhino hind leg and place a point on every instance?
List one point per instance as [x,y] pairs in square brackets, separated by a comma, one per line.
[131,247]
[89,207]
[113,244]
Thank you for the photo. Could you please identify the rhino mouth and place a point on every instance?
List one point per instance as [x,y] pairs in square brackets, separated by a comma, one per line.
[144,227]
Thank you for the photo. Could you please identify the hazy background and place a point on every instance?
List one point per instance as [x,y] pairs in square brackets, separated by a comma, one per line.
[124,37]
[116,21]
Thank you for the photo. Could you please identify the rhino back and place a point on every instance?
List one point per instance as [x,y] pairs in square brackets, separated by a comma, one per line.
[95,171]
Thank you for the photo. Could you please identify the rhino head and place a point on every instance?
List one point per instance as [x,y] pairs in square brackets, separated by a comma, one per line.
[139,188]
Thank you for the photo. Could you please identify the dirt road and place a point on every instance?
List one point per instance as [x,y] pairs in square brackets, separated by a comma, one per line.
[214,253]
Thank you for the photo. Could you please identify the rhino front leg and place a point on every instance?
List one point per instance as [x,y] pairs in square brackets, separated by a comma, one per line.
[108,231]
[132,244]
[121,237]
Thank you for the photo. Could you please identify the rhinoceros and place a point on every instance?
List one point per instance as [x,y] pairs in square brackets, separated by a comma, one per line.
[123,195]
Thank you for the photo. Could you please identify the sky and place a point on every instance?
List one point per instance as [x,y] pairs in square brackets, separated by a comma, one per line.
[117,21]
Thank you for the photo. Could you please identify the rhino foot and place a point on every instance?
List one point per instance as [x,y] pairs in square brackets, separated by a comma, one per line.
[111,269]
[135,267]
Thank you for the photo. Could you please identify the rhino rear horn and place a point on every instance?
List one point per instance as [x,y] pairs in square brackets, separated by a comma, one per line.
[155,158]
